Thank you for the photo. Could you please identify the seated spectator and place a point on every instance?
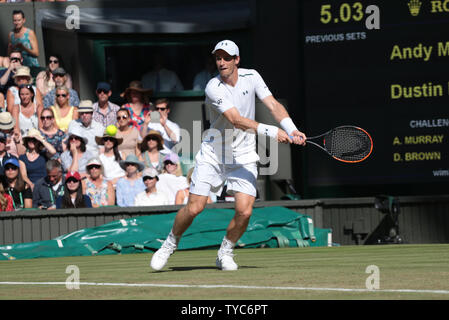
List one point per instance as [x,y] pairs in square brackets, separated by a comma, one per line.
[60,79]
[4,155]
[137,104]
[48,189]
[44,79]
[100,191]
[35,157]
[73,193]
[150,196]
[130,185]
[16,186]
[26,113]
[75,158]
[130,135]
[171,180]
[51,133]
[150,150]
[24,39]
[161,79]
[7,75]
[63,111]
[111,157]
[170,131]
[13,138]
[21,78]
[6,203]
[87,126]
[105,112]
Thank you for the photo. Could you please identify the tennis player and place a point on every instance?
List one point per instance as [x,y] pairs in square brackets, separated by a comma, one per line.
[228,151]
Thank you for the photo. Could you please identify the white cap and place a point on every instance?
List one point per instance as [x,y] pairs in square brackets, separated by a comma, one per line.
[229,46]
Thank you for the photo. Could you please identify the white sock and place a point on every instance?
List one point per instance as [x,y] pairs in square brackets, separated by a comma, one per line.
[227,244]
[172,239]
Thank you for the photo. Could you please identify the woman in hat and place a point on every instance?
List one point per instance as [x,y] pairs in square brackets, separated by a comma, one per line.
[172,180]
[150,196]
[73,193]
[110,157]
[13,139]
[35,158]
[150,149]
[130,135]
[27,113]
[137,102]
[21,77]
[76,155]
[51,133]
[100,191]
[62,110]
[15,186]
[44,80]
[130,185]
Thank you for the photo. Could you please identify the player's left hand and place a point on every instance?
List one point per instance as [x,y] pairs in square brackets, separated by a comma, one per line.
[298,137]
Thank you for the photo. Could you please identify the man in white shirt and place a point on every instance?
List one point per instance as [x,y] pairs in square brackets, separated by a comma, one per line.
[228,152]
[87,126]
[151,196]
[170,131]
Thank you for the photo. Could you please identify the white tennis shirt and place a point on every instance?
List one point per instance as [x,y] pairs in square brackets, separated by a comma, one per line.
[223,138]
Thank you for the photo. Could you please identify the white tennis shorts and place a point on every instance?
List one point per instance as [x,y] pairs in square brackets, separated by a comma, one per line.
[209,176]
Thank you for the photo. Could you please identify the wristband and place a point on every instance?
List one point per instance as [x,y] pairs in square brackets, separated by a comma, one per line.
[288,125]
[267,130]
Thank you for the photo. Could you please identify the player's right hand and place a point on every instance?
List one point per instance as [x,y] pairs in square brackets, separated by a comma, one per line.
[283,137]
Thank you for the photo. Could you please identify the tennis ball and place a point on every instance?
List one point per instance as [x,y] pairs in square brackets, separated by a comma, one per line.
[111,130]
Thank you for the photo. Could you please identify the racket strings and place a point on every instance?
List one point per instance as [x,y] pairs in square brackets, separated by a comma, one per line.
[348,144]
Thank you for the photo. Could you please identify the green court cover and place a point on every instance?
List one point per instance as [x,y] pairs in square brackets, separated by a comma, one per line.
[268,227]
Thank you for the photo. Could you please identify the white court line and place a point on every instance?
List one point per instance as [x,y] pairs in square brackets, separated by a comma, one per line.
[207,286]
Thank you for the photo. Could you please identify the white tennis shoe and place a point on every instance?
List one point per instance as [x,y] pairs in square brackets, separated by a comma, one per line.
[160,257]
[225,260]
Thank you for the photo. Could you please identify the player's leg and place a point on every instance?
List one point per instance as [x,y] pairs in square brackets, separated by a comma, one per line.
[183,220]
[242,182]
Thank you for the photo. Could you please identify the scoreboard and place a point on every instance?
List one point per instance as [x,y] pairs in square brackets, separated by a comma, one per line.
[382,66]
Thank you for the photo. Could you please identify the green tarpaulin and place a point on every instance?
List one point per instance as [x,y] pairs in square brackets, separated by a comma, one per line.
[268,227]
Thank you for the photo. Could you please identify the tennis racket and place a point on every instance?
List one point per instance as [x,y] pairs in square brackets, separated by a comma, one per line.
[348,144]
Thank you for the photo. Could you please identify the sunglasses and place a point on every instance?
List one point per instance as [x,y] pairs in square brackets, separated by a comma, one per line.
[102,91]
[58,75]
[74,138]
[46,118]
[148,178]
[227,58]
[14,168]
[53,61]
[122,117]
[168,162]
[72,180]
[94,166]
[108,139]
[61,95]
[14,59]
[161,109]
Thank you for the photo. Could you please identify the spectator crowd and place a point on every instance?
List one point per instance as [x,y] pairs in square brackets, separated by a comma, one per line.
[60,151]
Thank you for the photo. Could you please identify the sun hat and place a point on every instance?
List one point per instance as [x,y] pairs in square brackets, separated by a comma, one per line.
[131,159]
[76,131]
[85,106]
[100,142]
[23,71]
[71,174]
[32,133]
[136,85]
[6,121]
[143,145]
[173,157]
[150,172]
[227,45]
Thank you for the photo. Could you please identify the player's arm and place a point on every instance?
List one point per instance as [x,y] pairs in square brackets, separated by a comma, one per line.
[239,122]
[281,115]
